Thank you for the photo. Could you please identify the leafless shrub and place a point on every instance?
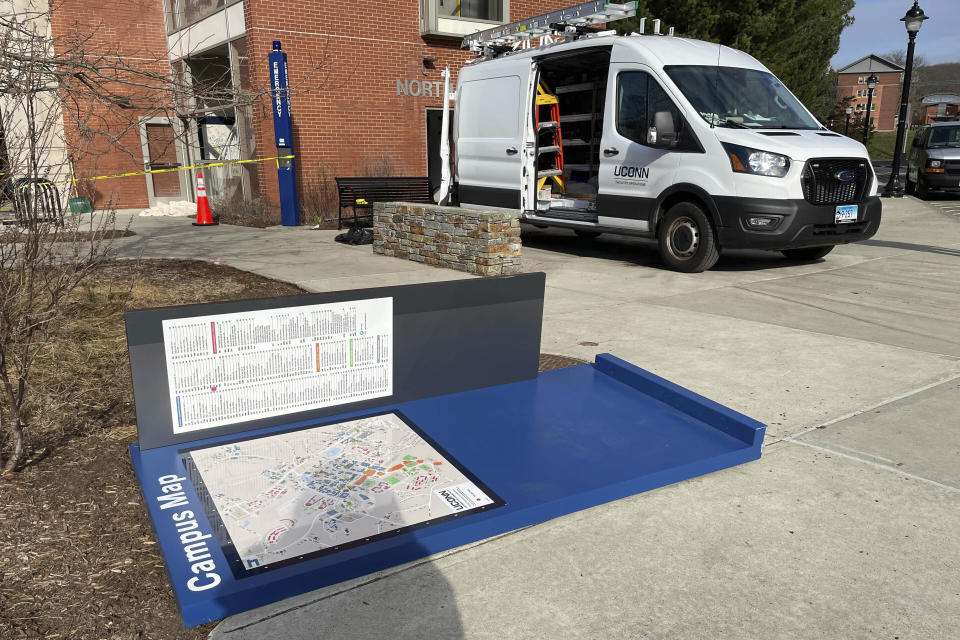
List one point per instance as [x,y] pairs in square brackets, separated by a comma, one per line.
[240,211]
[376,166]
[66,100]
[319,201]
[41,264]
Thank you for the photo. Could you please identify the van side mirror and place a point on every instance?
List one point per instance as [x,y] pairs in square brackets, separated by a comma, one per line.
[666,132]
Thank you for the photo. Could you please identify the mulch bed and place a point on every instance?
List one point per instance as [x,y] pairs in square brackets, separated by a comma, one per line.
[77,552]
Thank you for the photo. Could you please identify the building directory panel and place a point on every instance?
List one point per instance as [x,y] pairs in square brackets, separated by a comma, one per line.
[287,497]
[235,367]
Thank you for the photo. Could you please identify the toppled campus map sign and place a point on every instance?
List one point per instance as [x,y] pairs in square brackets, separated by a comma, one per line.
[290,444]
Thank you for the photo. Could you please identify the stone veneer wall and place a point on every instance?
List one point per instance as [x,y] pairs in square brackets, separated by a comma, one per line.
[483,242]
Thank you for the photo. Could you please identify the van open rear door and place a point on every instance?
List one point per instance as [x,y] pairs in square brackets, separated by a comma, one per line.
[490,123]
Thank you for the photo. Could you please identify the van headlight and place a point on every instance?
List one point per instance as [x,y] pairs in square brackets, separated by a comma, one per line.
[757,162]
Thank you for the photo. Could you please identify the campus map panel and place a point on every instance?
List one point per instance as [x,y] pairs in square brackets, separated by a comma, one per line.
[234,367]
[315,490]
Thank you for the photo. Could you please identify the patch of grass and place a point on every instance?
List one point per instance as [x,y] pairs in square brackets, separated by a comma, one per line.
[881,144]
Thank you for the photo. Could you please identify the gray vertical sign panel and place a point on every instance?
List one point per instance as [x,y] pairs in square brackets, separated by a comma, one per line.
[448,337]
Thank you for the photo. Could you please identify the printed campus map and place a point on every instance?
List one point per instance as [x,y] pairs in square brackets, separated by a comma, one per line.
[234,367]
[297,493]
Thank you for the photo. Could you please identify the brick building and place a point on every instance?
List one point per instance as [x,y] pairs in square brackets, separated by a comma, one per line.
[940,107]
[366,86]
[852,83]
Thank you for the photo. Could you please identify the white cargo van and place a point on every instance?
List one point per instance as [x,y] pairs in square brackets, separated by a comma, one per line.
[695,144]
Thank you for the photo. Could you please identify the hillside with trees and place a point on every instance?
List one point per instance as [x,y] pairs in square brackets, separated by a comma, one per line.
[794,38]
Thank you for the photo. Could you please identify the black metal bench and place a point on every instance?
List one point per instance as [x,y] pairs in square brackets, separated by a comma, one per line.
[360,193]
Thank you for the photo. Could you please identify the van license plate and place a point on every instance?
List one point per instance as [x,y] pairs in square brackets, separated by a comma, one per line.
[846,213]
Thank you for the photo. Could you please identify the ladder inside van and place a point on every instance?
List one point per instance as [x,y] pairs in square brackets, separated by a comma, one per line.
[575,22]
[550,154]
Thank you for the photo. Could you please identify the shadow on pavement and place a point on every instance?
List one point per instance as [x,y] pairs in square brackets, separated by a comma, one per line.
[907,246]
[642,252]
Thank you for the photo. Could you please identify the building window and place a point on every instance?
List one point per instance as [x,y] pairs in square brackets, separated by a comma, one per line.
[861,80]
[471,9]
[461,17]
[179,14]
[873,107]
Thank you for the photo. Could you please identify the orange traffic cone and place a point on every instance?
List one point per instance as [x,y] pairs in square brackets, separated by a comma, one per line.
[204,219]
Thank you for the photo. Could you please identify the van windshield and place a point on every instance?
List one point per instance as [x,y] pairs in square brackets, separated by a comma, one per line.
[944,137]
[740,98]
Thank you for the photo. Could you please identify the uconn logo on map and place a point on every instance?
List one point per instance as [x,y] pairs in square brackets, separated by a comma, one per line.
[455,504]
[193,541]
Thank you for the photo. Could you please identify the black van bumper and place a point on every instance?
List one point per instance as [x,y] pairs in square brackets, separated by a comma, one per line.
[796,223]
[940,181]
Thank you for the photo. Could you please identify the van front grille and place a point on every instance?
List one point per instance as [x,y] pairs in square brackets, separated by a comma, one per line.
[822,183]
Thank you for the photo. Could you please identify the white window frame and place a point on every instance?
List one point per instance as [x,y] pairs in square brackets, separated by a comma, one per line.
[433,24]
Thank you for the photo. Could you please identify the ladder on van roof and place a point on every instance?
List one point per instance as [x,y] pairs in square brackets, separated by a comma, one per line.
[572,22]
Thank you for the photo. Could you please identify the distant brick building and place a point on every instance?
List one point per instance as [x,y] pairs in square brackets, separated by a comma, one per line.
[852,83]
[366,79]
[940,107]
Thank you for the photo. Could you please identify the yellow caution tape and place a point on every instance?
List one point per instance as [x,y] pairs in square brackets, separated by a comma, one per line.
[143,173]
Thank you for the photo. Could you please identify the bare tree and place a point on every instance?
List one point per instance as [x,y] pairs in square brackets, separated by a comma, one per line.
[64,101]
[899,58]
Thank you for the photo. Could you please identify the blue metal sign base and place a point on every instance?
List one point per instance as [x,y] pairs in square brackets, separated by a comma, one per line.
[569,440]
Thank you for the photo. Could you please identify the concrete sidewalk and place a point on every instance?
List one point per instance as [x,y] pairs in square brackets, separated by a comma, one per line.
[846,528]
[306,257]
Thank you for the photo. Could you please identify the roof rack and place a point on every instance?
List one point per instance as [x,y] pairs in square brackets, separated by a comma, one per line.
[572,23]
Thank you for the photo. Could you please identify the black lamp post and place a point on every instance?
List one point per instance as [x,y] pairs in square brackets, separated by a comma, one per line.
[912,21]
[871,85]
[846,127]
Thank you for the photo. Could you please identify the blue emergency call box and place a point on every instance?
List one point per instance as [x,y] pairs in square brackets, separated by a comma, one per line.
[283,136]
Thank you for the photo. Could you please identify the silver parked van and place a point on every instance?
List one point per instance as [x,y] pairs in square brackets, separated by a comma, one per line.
[934,162]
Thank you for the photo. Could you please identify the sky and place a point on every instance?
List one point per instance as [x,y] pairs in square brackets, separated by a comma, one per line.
[877,29]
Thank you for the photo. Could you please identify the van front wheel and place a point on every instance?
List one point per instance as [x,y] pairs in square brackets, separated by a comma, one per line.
[686,239]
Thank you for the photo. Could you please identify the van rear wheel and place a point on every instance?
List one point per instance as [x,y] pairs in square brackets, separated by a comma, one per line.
[686,239]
